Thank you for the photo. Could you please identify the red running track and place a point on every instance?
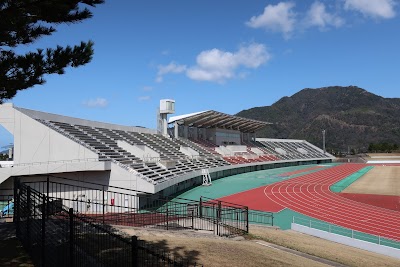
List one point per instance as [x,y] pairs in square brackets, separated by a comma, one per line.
[300,171]
[384,201]
[310,195]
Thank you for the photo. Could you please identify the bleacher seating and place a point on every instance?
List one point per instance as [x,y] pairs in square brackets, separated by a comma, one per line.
[104,142]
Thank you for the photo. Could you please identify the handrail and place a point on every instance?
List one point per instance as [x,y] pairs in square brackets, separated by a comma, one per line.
[340,230]
[54,162]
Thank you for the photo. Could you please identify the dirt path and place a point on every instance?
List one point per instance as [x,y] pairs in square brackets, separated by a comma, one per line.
[381,180]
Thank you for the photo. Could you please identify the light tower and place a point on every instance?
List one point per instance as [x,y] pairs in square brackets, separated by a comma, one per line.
[167,106]
[323,141]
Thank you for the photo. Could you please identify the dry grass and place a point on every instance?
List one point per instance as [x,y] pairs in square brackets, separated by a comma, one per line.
[322,248]
[214,252]
[211,251]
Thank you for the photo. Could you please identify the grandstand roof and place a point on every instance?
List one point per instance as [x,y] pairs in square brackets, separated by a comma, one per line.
[215,119]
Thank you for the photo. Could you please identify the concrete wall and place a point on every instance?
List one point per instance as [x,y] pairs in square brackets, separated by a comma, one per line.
[219,136]
[123,178]
[188,151]
[224,171]
[53,168]
[35,142]
[388,251]
[140,151]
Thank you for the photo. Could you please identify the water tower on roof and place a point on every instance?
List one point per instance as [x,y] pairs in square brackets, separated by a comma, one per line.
[167,106]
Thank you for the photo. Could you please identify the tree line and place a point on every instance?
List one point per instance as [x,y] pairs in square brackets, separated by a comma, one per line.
[383,147]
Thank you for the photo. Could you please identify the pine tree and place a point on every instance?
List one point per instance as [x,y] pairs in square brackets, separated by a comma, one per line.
[22,22]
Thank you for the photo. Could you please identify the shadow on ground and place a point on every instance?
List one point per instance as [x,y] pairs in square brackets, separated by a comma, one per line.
[11,251]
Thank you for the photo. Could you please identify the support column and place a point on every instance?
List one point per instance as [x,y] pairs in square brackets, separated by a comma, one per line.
[185,131]
[164,125]
[176,129]
[195,135]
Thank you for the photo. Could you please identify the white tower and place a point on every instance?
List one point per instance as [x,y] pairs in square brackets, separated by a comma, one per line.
[167,106]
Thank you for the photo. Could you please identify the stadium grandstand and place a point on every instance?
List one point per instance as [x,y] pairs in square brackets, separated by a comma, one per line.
[170,159]
[100,174]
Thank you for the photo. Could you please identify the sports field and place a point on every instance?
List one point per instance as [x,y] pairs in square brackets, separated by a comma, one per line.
[379,187]
[381,180]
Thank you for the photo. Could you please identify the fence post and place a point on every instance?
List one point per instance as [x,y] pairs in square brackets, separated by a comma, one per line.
[192,218]
[135,254]
[201,207]
[272,220]
[28,215]
[48,190]
[379,239]
[217,213]
[44,214]
[16,204]
[167,216]
[103,204]
[219,210]
[71,237]
[247,218]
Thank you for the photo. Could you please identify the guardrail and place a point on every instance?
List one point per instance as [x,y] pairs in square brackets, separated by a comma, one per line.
[54,162]
[261,217]
[339,230]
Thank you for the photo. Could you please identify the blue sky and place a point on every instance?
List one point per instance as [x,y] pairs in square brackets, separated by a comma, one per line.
[222,55]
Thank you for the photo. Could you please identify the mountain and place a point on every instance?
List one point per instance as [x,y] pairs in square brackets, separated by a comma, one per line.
[352,117]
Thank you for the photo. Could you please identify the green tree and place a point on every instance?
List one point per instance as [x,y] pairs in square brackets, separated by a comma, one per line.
[22,22]
[371,147]
[395,147]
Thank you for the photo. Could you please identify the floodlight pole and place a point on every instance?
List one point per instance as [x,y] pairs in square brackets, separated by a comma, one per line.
[323,141]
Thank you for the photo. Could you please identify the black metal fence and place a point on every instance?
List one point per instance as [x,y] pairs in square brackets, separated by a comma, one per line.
[121,206]
[250,216]
[261,217]
[56,236]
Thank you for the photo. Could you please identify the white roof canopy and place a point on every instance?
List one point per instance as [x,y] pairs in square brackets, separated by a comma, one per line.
[215,119]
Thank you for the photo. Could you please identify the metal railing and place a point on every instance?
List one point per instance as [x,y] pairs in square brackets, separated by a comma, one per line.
[121,206]
[54,162]
[55,236]
[261,217]
[340,230]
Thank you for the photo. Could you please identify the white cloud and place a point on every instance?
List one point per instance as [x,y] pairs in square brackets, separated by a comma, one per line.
[218,66]
[144,98]
[147,88]
[170,68]
[165,52]
[96,103]
[277,18]
[319,17]
[372,8]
